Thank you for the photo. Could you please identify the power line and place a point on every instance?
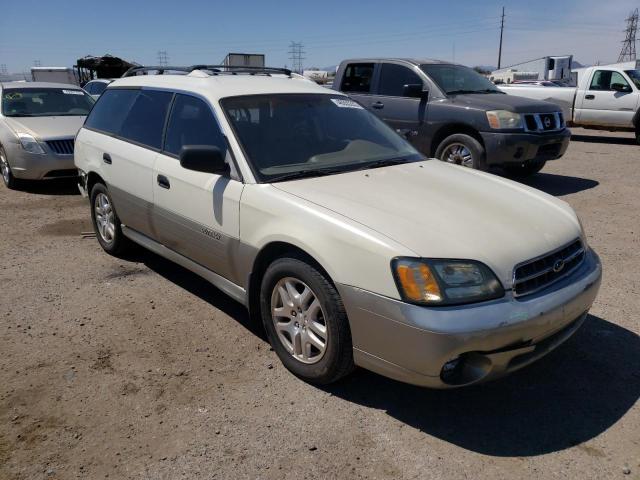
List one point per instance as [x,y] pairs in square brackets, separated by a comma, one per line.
[628,51]
[296,55]
[163,58]
[501,32]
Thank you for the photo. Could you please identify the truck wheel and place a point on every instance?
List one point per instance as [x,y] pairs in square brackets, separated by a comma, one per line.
[7,177]
[462,150]
[524,170]
[305,321]
[106,223]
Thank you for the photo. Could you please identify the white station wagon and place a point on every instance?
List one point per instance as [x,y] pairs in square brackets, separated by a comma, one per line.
[350,246]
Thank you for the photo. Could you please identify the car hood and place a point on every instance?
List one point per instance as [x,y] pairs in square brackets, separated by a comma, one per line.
[501,101]
[45,128]
[440,210]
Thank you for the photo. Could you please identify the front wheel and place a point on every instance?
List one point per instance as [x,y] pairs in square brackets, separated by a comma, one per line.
[5,169]
[526,169]
[106,223]
[462,149]
[305,321]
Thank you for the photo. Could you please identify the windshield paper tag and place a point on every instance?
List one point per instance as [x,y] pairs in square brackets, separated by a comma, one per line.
[72,92]
[346,103]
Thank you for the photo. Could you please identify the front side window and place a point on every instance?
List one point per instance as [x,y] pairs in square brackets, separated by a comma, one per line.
[394,77]
[192,123]
[357,78]
[456,79]
[45,102]
[289,135]
[145,121]
[604,79]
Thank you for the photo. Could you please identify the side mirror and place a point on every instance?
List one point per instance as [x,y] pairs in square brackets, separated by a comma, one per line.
[415,90]
[620,87]
[203,158]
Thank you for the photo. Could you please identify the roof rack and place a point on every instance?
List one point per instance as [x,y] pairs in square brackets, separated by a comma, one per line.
[214,69]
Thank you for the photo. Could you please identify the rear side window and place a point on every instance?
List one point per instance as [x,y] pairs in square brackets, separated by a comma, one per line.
[357,78]
[98,88]
[393,78]
[89,88]
[109,112]
[145,121]
[192,123]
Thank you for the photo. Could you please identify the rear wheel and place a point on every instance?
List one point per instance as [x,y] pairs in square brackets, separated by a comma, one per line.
[5,169]
[106,223]
[526,169]
[462,149]
[305,321]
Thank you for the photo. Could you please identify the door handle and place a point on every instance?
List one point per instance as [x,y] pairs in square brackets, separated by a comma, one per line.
[378,105]
[164,182]
[106,158]
[589,97]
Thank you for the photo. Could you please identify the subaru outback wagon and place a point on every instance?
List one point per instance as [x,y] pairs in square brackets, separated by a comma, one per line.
[350,246]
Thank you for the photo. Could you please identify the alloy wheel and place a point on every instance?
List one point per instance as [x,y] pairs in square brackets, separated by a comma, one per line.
[105,218]
[299,320]
[459,154]
[4,168]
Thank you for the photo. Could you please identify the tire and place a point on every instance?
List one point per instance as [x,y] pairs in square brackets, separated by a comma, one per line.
[464,150]
[525,170]
[301,321]
[106,223]
[5,171]
[638,135]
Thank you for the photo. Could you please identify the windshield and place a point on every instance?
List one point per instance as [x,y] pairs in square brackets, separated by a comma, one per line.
[634,75]
[453,79]
[296,135]
[45,102]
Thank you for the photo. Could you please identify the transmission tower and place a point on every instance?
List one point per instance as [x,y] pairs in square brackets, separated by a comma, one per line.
[163,58]
[3,69]
[296,55]
[628,52]
[37,63]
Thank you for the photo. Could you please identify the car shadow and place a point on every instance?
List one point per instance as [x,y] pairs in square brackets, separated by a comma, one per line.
[558,185]
[58,186]
[604,139]
[569,397]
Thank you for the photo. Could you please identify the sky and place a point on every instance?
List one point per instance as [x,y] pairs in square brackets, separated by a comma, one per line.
[57,32]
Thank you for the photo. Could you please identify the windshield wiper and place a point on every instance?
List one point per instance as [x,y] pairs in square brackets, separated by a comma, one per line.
[387,162]
[304,174]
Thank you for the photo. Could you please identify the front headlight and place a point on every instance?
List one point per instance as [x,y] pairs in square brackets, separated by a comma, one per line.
[444,282]
[503,119]
[30,144]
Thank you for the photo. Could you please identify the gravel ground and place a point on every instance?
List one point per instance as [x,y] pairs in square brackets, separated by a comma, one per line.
[139,369]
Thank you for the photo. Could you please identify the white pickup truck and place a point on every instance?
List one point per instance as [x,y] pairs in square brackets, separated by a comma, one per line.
[606,98]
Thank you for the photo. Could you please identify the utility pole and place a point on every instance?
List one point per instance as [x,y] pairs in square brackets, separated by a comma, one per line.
[163,58]
[628,52]
[296,55]
[501,32]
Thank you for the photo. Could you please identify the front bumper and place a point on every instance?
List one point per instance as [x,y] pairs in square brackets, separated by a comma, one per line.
[413,343]
[519,148]
[31,166]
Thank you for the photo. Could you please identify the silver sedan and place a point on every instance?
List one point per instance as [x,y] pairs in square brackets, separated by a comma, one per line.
[38,124]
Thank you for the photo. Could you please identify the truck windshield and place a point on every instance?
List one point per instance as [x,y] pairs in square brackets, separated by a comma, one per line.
[634,75]
[45,102]
[456,79]
[288,136]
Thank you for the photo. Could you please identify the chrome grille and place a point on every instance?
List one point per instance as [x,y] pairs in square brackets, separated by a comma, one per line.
[543,122]
[61,147]
[538,273]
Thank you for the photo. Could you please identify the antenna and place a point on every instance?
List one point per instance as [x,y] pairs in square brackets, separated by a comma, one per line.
[501,32]
[163,58]
[296,55]
[628,52]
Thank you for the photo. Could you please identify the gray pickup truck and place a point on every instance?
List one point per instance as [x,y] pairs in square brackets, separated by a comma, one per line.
[450,112]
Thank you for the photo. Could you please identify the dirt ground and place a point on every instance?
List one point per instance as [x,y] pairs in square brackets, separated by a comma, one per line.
[139,369]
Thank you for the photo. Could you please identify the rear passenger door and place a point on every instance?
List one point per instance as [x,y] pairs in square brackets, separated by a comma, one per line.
[196,214]
[131,123]
[358,82]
